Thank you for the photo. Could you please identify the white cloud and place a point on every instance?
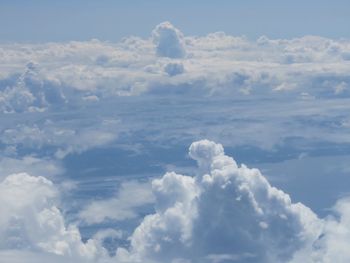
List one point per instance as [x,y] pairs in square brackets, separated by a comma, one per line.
[31,221]
[123,206]
[226,212]
[35,77]
[332,245]
[66,136]
[65,96]
[29,92]
[204,153]
[169,41]
[30,164]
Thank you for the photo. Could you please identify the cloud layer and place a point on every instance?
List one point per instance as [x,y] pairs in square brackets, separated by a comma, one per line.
[37,76]
[41,84]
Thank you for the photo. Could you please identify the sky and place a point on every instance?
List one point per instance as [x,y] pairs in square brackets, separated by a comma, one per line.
[163,132]
[41,21]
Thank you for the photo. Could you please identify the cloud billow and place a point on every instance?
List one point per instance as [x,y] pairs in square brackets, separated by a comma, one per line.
[169,41]
[30,220]
[225,211]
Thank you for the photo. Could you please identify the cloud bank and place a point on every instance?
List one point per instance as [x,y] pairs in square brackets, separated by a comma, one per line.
[41,84]
[35,77]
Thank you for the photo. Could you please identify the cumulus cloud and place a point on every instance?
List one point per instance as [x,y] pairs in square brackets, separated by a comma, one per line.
[226,212]
[169,41]
[230,213]
[31,221]
[332,247]
[29,92]
[36,77]
[63,98]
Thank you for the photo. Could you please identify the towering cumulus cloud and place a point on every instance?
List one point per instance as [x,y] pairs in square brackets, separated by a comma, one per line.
[226,213]
[169,41]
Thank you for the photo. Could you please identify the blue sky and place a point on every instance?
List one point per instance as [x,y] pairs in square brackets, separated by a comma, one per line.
[40,21]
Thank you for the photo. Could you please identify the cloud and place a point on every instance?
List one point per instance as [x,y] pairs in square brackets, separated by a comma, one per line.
[230,213]
[31,221]
[332,245]
[130,197]
[64,136]
[40,77]
[29,92]
[226,212]
[169,41]
[31,164]
[65,98]
[174,69]
[204,152]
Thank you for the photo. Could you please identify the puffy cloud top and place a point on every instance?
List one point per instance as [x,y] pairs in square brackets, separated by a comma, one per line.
[204,152]
[30,219]
[229,213]
[169,41]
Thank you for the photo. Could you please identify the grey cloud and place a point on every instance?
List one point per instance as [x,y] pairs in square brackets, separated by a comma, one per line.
[174,69]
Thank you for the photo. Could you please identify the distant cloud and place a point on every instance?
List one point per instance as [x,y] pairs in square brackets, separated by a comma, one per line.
[174,69]
[66,140]
[35,77]
[169,41]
